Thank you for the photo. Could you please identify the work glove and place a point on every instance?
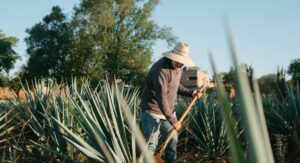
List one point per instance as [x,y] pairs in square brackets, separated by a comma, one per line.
[177,125]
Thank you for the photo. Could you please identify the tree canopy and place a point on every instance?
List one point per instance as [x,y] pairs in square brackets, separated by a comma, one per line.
[8,55]
[103,38]
[48,46]
[121,34]
[294,70]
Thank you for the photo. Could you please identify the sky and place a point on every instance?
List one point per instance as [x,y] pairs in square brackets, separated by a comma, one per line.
[266,32]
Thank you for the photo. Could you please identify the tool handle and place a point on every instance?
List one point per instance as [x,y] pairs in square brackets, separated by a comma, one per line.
[187,110]
[173,131]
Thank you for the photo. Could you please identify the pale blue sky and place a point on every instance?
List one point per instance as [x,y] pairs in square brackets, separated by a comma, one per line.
[266,32]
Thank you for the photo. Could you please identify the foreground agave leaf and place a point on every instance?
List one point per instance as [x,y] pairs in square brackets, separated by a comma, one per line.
[251,111]
[235,144]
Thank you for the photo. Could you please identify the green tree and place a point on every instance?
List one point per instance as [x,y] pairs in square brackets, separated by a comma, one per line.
[48,46]
[267,84]
[294,71]
[8,55]
[228,77]
[228,80]
[115,37]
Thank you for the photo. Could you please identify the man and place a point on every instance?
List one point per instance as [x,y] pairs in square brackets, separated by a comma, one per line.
[159,97]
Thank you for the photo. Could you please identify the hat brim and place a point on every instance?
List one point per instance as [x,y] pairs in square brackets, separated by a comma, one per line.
[178,58]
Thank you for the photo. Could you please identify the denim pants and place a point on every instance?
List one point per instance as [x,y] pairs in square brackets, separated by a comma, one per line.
[154,127]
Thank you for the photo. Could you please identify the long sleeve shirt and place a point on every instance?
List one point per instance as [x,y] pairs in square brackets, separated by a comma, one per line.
[161,88]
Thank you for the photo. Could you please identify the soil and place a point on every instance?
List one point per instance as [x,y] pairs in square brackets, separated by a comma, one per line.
[187,156]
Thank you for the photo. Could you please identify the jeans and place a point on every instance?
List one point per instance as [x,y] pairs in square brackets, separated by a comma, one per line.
[153,127]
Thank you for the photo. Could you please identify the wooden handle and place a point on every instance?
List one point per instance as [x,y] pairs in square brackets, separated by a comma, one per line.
[173,131]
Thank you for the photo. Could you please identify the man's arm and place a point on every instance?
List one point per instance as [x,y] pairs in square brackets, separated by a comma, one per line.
[191,93]
[184,91]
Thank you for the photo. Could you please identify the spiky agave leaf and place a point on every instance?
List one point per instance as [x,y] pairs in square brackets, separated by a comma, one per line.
[10,128]
[235,144]
[254,121]
[43,102]
[282,116]
[100,114]
[208,129]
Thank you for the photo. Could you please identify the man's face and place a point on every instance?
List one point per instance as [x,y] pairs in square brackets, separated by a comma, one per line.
[176,64]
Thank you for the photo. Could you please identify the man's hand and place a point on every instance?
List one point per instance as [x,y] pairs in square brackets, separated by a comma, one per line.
[199,93]
[177,125]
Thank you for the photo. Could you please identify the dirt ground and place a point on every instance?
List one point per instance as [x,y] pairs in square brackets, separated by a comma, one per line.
[188,156]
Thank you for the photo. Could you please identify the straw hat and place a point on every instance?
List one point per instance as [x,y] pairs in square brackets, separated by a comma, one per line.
[180,53]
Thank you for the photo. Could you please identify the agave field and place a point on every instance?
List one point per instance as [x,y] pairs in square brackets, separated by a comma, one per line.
[101,124]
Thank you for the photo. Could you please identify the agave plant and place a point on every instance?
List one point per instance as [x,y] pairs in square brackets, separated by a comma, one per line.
[208,131]
[91,120]
[100,112]
[5,119]
[283,120]
[251,112]
[8,132]
[43,140]
[204,131]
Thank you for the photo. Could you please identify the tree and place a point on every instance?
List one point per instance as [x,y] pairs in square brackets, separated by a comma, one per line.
[294,71]
[229,79]
[267,84]
[120,37]
[49,45]
[8,55]
[104,38]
